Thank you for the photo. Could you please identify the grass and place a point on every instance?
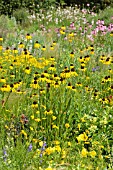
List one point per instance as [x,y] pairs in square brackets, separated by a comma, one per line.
[56,91]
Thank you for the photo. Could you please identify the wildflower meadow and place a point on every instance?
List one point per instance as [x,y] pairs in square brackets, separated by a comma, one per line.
[56,90]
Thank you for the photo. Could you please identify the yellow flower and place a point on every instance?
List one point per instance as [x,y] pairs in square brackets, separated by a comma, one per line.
[35,140]
[111,34]
[67,125]
[31,128]
[41,143]
[72,54]
[28,37]
[43,48]
[32,116]
[69,143]
[92,154]
[1,39]
[48,112]
[49,168]
[54,127]
[50,150]
[56,142]
[3,80]
[82,137]
[27,70]
[24,133]
[71,34]
[34,105]
[58,148]
[62,32]
[37,45]
[63,154]
[84,152]
[5,88]
[1,47]
[51,47]
[37,120]
[21,45]
[63,27]
[54,117]
[79,126]
[54,43]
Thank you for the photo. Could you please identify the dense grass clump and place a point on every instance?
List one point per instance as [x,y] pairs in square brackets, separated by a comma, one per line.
[56,91]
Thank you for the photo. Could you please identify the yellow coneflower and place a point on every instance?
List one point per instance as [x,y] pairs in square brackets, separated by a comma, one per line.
[28,36]
[34,85]
[74,89]
[87,58]
[34,104]
[106,79]
[63,27]
[43,48]
[83,68]
[71,34]
[55,77]
[27,70]
[73,72]
[56,85]
[51,47]
[69,86]
[62,32]
[11,67]
[52,67]
[91,47]
[21,45]
[1,39]
[111,34]
[83,63]
[42,78]
[15,51]
[12,75]
[54,43]
[72,54]
[3,80]
[37,45]
[42,91]
[107,61]
[7,51]
[81,59]
[48,112]
[5,88]
[71,66]
[81,51]
[92,51]
[79,84]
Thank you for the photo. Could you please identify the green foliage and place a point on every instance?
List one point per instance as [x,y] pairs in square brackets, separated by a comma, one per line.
[21,16]
[8,7]
[6,25]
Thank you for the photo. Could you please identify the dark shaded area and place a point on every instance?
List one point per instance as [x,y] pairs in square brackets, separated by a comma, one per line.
[9,6]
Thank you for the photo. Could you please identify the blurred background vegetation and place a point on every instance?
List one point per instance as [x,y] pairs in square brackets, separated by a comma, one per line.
[8,7]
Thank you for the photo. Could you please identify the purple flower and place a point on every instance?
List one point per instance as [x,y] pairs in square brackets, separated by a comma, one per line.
[4,155]
[30,148]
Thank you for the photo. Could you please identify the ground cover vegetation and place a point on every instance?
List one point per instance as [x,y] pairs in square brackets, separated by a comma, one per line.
[56,89]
